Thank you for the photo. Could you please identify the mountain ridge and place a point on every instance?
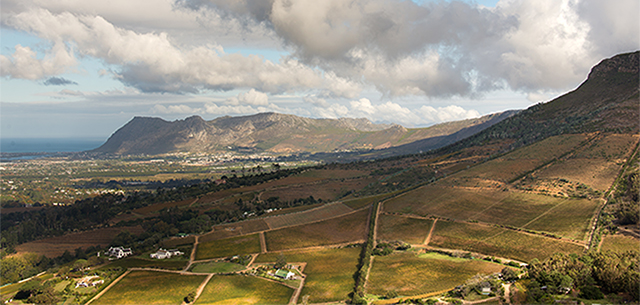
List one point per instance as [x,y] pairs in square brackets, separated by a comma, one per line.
[271,132]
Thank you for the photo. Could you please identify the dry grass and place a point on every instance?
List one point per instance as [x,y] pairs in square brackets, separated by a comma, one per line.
[348,228]
[55,246]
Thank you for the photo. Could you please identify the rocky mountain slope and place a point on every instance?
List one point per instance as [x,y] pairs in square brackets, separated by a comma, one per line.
[276,133]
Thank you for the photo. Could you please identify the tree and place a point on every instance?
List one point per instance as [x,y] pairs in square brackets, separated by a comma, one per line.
[509,275]
[190,297]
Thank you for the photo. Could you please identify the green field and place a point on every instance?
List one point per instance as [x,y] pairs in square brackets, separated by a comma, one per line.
[148,287]
[409,274]
[329,272]
[240,245]
[131,262]
[216,267]
[239,289]
[496,241]
[619,243]
[348,228]
[410,230]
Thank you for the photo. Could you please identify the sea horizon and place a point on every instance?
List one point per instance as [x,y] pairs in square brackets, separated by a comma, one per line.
[49,145]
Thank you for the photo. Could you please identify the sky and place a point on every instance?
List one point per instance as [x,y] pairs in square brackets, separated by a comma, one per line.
[83,68]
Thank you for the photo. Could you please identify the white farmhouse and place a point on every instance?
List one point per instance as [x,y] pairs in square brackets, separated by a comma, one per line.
[118,252]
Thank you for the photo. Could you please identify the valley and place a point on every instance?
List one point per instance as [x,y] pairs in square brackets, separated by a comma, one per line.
[489,219]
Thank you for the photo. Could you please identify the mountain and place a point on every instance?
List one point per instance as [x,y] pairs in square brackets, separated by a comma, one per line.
[276,133]
[607,101]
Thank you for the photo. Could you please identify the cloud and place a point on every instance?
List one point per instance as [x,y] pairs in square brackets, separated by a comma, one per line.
[152,63]
[24,64]
[175,109]
[394,112]
[338,48]
[252,97]
[58,81]
[446,48]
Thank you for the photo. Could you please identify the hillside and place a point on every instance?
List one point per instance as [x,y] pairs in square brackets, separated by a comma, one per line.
[276,133]
[554,187]
[607,101]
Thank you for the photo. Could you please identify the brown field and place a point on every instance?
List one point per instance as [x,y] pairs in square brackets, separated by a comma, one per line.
[55,246]
[619,243]
[159,206]
[326,190]
[496,241]
[596,165]
[321,213]
[410,230]
[344,229]
[521,160]
[235,229]
[610,146]
[564,216]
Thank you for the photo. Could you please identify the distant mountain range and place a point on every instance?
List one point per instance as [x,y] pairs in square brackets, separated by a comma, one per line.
[606,101]
[280,134]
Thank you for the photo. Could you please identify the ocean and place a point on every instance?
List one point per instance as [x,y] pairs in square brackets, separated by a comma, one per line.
[49,145]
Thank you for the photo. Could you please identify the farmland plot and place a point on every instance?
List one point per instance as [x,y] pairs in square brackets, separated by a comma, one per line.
[522,160]
[323,212]
[409,274]
[344,229]
[239,245]
[329,272]
[410,230]
[148,287]
[496,241]
[596,165]
[619,243]
[238,289]
[235,229]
